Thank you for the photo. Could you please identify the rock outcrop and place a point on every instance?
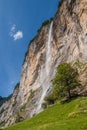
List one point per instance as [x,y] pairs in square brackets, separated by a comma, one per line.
[67,35]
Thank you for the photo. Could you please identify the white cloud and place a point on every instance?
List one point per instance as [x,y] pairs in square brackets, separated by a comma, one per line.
[13,27]
[18,35]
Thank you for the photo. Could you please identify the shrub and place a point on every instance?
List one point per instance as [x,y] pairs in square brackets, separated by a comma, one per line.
[49,99]
[44,105]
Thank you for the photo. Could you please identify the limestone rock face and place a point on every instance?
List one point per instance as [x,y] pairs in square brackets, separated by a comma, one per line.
[68,43]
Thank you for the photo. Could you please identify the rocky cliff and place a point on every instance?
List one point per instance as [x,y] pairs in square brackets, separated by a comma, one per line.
[62,39]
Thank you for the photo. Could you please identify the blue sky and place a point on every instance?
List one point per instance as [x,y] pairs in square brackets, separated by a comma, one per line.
[19,22]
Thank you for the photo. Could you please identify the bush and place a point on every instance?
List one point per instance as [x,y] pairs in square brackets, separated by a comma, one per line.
[49,99]
[44,105]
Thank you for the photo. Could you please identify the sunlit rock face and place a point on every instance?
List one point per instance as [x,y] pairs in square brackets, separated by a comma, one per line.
[64,39]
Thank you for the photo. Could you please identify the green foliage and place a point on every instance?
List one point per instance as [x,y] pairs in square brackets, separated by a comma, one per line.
[31,95]
[23,108]
[66,79]
[79,64]
[58,117]
[44,105]
[49,99]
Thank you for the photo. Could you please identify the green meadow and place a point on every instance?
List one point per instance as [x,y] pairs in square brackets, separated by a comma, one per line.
[61,116]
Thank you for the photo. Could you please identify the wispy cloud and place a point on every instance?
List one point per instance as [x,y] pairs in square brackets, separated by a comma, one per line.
[18,35]
[13,27]
[15,34]
[13,30]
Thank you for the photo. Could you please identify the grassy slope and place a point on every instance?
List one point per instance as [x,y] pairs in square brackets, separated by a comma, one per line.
[67,116]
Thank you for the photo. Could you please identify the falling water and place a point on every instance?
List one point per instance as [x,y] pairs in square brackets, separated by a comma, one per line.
[47,64]
[45,76]
[46,84]
[49,52]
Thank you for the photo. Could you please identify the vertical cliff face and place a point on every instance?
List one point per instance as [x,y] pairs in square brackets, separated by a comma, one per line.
[63,39]
[38,66]
[71,26]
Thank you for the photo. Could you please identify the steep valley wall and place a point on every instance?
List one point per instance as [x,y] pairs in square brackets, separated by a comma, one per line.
[67,35]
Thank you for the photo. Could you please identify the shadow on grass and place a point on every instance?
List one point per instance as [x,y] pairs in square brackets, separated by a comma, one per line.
[67,100]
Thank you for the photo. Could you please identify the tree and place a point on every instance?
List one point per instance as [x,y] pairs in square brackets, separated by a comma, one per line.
[66,79]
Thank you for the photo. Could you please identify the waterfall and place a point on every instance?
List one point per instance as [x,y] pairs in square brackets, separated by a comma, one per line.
[46,84]
[45,78]
[47,64]
[49,52]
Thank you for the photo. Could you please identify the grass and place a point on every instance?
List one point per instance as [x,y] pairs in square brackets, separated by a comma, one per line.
[66,116]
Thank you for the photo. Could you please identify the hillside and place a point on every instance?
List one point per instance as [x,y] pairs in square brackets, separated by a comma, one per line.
[66,116]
